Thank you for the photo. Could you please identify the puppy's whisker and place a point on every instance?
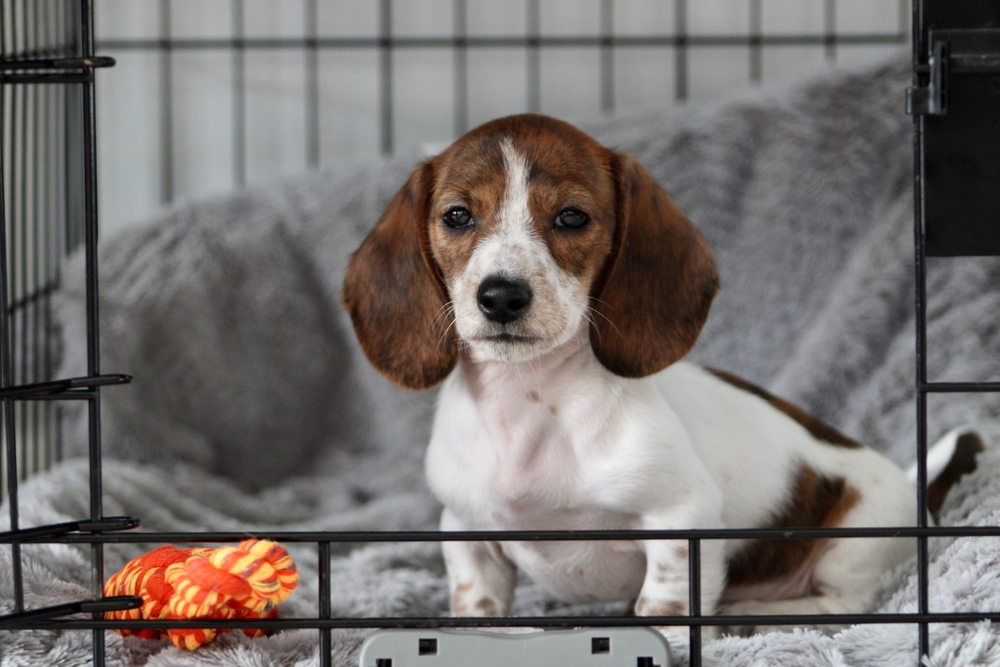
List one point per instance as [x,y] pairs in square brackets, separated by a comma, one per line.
[593,323]
[597,312]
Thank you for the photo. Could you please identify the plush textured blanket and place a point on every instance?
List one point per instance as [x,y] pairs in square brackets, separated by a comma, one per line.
[252,407]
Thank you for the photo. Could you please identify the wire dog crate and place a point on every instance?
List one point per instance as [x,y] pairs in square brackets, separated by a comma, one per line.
[48,207]
[198,96]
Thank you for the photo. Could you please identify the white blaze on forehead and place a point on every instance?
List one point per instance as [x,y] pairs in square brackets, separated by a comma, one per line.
[514,249]
[514,209]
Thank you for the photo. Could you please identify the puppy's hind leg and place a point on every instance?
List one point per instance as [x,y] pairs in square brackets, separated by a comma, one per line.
[843,581]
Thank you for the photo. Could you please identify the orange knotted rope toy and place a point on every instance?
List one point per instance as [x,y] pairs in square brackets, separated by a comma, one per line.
[248,581]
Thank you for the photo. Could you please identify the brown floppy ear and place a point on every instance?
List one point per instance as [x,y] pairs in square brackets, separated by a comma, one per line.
[395,295]
[656,288]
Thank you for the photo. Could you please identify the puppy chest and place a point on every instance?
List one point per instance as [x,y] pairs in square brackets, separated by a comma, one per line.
[582,571]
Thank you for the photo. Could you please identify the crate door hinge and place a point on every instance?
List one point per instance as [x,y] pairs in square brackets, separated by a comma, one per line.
[932,99]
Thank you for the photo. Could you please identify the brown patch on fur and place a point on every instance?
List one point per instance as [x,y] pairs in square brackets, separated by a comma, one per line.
[395,295]
[470,174]
[816,428]
[654,292]
[815,502]
[644,607]
[681,552]
[458,606]
[486,607]
[963,461]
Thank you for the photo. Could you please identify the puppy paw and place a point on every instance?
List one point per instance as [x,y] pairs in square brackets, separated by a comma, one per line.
[464,604]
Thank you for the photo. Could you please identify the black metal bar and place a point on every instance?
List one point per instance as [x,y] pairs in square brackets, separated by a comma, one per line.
[501,41]
[325,640]
[756,48]
[58,386]
[461,52]
[117,603]
[385,45]
[524,621]
[239,97]
[72,63]
[56,529]
[32,351]
[47,258]
[959,387]
[166,90]
[682,42]
[86,37]
[830,37]
[694,601]
[312,85]
[19,270]
[533,56]
[607,57]
[920,370]
[537,535]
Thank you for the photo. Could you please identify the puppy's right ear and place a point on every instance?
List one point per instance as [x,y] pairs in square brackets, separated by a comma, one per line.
[395,294]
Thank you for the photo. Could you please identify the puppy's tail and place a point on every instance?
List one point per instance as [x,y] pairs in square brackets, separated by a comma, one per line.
[951,457]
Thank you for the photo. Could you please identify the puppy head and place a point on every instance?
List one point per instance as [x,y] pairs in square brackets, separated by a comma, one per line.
[523,234]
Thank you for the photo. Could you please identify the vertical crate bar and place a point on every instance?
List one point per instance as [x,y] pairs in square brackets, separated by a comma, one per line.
[325,639]
[166,106]
[534,57]
[680,51]
[312,85]
[385,77]
[607,57]
[694,601]
[89,157]
[920,313]
[239,97]
[461,48]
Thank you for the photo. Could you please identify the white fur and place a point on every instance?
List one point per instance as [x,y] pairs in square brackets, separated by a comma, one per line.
[541,436]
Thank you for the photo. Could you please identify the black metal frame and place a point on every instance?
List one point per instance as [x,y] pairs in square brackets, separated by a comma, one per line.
[69,61]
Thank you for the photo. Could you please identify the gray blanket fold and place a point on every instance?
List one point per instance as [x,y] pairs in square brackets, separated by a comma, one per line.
[253,408]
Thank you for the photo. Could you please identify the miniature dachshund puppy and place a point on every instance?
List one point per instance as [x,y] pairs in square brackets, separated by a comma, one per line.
[553,287]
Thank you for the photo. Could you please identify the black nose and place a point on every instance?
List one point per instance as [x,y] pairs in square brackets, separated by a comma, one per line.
[503,300]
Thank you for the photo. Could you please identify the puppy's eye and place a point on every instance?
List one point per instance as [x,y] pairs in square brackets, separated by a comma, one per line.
[572,218]
[458,218]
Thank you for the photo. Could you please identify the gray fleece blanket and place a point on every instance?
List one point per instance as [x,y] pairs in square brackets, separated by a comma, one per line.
[253,409]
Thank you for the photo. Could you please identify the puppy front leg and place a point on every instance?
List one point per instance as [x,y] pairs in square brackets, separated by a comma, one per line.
[665,589]
[480,577]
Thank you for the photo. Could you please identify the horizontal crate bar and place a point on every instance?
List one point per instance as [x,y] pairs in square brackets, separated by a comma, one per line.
[57,63]
[960,387]
[529,535]
[56,387]
[48,77]
[522,621]
[117,603]
[110,523]
[517,41]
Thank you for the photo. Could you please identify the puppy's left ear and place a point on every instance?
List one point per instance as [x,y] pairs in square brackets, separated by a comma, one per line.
[654,293]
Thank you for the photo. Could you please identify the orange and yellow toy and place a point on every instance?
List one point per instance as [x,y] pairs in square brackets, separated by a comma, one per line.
[248,581]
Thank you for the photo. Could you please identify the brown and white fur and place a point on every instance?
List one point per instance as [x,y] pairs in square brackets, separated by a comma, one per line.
[553,286]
